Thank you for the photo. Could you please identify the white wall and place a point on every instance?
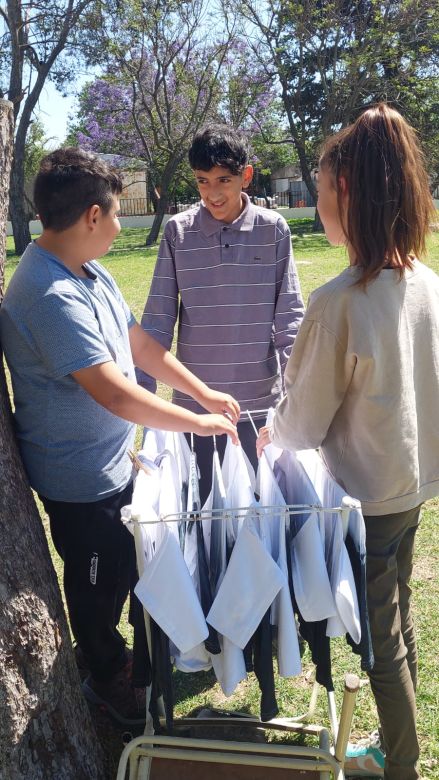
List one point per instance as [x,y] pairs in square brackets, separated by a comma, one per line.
[35,225]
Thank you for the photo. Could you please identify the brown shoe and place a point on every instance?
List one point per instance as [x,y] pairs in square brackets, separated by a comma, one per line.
[118,697]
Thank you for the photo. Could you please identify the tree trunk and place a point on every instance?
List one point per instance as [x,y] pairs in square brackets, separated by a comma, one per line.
[153,195]
[17,205]
[6,152]
[162,207]
[163,202]
[317,225]
[45,727]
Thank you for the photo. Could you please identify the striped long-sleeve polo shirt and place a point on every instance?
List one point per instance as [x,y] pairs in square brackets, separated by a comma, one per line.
[235,291]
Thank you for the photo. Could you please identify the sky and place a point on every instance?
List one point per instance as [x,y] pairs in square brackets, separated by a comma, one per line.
[54,110]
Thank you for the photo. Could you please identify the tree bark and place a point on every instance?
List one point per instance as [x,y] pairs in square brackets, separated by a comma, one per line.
[6,152]
[162,207]
[317,224]
[45,728]
[17,207]
[163,202]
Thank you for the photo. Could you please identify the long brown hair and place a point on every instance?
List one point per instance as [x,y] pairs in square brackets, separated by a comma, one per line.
[390,205]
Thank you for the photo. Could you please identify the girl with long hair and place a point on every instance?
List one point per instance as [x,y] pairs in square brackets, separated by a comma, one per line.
[362,384]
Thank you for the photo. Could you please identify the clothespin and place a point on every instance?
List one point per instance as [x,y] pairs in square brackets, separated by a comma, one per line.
[137,463]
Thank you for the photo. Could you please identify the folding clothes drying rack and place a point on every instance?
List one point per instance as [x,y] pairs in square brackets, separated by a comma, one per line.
[323,762]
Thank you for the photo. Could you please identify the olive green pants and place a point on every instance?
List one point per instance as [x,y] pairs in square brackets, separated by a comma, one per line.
[390,543]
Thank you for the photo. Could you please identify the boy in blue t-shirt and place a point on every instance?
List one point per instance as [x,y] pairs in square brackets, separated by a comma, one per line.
[71,344]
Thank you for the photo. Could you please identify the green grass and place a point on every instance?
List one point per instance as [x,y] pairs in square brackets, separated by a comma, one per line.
[132,266]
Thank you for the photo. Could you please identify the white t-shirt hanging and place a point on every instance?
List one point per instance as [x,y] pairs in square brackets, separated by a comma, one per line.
[144,503]
[197,659]
[282,615]
[171,601]
[252,579]
[249,586]
[312,588]
[191,552]
[342,579]
[229,664]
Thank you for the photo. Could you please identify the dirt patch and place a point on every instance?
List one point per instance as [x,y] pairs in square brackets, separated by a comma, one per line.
[425,569]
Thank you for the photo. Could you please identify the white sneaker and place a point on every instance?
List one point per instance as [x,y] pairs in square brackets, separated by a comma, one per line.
[365,758]
[373,740]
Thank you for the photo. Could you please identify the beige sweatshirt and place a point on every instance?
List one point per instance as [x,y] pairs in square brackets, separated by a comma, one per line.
[362,383]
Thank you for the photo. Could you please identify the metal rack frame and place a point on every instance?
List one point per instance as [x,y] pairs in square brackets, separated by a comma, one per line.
[327,759]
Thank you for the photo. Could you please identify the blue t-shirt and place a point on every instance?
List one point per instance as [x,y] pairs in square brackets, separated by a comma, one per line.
[53,323]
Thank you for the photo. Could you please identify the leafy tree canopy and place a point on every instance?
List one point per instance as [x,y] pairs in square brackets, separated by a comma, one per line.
[330,59]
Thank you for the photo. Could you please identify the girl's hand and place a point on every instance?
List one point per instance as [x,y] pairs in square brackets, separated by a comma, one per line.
[220,403]
[215,425]
[264,438]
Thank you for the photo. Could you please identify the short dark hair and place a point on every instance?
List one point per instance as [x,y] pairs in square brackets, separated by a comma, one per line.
[69,181]
[390,205]
[217,144]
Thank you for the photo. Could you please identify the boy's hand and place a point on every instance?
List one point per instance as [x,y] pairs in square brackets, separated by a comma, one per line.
[264,438]
[215,425]
[220,403]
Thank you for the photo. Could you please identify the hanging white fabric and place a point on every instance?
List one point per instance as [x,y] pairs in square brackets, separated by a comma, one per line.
[171,601]
[252,579]
[256,576]
[337,558]
[312,588]
[282,615]
[229,664]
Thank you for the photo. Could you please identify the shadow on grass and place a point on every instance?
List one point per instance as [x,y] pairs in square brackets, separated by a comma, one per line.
[301,226]
[185,685]
[316,242]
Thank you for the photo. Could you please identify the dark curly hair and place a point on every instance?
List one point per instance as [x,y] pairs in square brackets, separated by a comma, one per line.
[218,144]
[69,181]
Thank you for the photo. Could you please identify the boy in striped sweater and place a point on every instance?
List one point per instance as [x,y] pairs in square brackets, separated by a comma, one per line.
[225,271]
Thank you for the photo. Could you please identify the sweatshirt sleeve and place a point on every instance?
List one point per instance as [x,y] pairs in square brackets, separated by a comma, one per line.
[161,309]
[317,377]
[289,304]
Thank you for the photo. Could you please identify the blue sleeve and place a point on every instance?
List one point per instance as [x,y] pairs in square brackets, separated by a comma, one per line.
[66,333]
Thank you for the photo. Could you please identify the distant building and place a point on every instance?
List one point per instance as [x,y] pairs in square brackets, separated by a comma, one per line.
[133,173]
[289,189]
[286,178]
[281,178]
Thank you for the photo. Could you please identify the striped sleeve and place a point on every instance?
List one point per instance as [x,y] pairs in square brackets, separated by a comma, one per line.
[289,304]
[161,309]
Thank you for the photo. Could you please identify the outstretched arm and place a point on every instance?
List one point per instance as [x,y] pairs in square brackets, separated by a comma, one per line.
[317,378]
[110,388]
[150,356]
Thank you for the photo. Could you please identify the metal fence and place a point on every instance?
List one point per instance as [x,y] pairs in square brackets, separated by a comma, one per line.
[139,207]
[296,197]
[135,207]
[183,206]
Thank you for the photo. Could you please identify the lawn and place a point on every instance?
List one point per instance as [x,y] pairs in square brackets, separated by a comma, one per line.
[132,265]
